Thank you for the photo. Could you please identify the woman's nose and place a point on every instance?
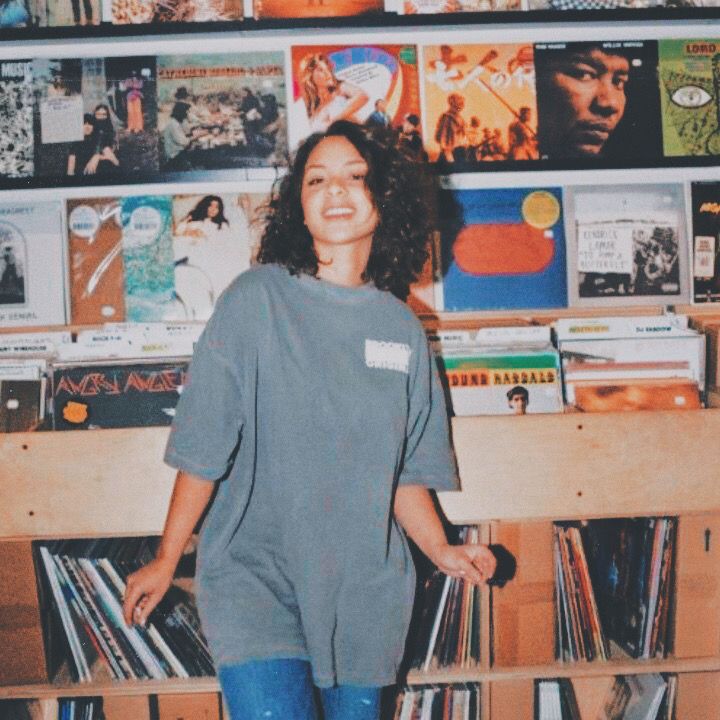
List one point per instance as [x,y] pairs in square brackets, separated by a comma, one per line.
[336,186]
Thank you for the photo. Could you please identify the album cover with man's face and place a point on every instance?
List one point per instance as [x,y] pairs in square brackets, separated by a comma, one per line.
[598,102]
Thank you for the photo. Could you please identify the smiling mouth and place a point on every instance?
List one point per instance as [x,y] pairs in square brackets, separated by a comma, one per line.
[337,212]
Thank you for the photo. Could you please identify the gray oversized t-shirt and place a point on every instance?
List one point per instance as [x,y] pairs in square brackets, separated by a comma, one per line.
[311,401]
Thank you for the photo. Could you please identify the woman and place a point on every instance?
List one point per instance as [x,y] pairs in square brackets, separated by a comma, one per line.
[133,101]
[205,219]
[314,400]
[103,143]
[326,97]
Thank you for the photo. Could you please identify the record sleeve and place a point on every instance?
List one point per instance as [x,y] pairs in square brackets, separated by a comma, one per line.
[112,395]
[138,12]
[502,249]
[15,14]
[213,242]
[627,245]
[706,241]
[316,8]
[598,101]
[147,249]
[479,104]
[61,13]
[503,382]
[373,85]
[32,265]
[435,7]
[95,117]
[222,112]
[690,95]
[97,275]
[16,119]
[21,404]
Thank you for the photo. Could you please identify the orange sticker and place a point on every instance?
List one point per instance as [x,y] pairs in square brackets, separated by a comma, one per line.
[75,412]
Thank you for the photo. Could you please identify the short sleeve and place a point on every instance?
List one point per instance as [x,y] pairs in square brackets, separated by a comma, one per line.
[429,458]
[208,420]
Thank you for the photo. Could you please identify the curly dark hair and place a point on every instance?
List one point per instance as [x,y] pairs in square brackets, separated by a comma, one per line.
[400,189]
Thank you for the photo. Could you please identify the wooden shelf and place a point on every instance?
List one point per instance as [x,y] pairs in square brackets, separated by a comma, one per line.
[556,670]
[121,687]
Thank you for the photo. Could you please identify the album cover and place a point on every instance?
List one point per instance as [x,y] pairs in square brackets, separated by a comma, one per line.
[628,245]
[16,119]
[32,265]
[316,8]
[598,100]
[502,249]
[59,13]
[493,381]
[113,395]
[222,112]
[434,7]
[21,404]
[706,241]
[147,248]
[95,117]
[97,275]
[138,12]
[373,85]
[15,14]
[215,238]
[480,104]
[690,95]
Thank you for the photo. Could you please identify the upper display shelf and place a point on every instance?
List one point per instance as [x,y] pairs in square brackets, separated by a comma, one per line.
[44,19]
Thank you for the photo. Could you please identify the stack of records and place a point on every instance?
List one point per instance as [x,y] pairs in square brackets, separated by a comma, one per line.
[613,582]
[87,581]
[449,629]
[631,363]
[439,702]
[500,370]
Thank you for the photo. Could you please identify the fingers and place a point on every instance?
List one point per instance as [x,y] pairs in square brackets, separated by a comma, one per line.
[133,594]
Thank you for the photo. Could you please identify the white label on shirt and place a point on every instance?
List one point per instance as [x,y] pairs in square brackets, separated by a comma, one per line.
[387,355]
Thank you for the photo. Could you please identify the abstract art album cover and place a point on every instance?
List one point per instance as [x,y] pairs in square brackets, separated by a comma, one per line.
[373,85]
[16,119]
[502,249]
[480,104]
[598,100]
[690,95]
[95,117]
[628,244]
[222,112]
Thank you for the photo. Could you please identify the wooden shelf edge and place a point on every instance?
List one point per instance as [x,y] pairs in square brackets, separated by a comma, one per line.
[556,670]
[111,687]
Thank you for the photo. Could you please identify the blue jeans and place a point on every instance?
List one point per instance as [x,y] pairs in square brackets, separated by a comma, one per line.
[282,689]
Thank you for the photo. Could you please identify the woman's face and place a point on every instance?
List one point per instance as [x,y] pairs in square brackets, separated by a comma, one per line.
[101,114]
[213,209]
[322,75]
[87,129]
[336,202]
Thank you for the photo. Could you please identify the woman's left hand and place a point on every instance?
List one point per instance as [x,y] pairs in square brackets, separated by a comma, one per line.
[475,563]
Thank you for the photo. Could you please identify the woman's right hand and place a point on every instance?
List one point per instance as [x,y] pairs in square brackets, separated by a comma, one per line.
[145,588]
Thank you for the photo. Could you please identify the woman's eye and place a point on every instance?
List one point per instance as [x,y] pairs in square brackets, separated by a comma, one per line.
[314,181]
[359,176]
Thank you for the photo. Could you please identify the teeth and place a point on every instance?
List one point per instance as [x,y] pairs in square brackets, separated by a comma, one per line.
[333,212]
